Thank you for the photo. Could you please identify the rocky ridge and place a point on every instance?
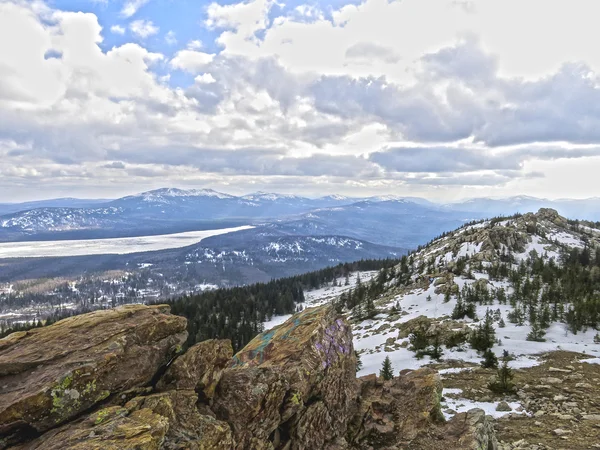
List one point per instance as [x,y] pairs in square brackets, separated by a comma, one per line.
[118,379]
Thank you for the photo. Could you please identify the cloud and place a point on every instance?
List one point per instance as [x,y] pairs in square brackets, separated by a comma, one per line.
[170,38]
[114,165]
[447,160]
[117,29]
[131,7]
[394,98]
[143,28]
[191,60]
[246,17]
[368,51]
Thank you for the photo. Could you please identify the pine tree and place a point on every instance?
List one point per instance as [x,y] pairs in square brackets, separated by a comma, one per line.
[537,333]
[483,337]
[503,383]
[359,364]
[370,310]
[490,361]
[436,351]
[386,372]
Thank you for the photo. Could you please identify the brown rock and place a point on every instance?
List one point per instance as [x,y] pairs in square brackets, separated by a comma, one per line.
[392,413]
[199,368]
[49,375]
[288,377]
[112,428]
[404,413]
[160,421]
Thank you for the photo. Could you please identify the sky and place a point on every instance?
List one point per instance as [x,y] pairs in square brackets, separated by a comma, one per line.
[443,99]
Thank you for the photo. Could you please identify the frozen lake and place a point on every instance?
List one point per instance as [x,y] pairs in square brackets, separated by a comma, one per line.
[112,246]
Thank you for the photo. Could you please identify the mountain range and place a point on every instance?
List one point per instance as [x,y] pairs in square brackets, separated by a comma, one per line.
[291,234]
[170,210]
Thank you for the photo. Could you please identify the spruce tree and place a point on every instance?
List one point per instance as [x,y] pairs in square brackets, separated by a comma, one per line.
[490,361]
[503,383]
[359,364]
[386,372]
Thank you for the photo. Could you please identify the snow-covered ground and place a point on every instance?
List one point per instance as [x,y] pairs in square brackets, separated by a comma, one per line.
[371,343]
[118,246]
[458,405]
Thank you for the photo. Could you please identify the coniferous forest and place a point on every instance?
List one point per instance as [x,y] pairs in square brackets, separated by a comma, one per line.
[238,313]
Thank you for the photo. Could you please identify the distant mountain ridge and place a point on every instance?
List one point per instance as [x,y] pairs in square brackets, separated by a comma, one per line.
[386,220]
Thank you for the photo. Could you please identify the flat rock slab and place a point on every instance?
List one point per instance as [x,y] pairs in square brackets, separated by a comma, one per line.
[50,375]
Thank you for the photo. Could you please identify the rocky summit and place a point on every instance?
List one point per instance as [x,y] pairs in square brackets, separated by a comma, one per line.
[117,379]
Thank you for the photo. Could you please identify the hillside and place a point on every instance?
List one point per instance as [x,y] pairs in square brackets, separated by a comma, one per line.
[527,285]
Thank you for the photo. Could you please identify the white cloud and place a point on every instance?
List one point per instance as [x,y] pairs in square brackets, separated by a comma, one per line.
[194,45]
[143,28]
[205,78]
[393,96]
[131,7]
[117,29]
[170,38]
[245,18]
[191,60]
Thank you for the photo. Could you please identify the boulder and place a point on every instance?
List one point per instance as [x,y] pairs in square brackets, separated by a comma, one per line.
[405,413]
[168,420]
[199,368]
[393,413]
[472,430]
[109,428]
[50,375]
[503,407]
[293,385]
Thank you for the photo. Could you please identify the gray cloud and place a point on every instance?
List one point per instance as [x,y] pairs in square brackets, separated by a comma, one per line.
[367,51]
[452,159]
[114,165]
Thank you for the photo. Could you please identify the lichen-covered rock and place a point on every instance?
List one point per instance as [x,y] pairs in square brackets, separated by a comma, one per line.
[288,377]
[391,414]
[113,428]
[405,413]
[472,430]
[199,368]
[449,332]
[49,375]
[168,421]
[255,401]
[188,427]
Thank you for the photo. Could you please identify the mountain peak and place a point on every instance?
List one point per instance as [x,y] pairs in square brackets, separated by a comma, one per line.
[158,195]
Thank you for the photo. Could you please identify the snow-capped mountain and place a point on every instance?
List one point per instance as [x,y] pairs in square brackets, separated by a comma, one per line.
[387,220]
[67,202]
[381,220]
[165,195]
[266,252]
[59,219]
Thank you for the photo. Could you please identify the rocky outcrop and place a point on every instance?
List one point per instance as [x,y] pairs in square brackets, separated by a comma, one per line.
[405,413]
[292,387]
[199,369]
[50,375]
[393,413]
